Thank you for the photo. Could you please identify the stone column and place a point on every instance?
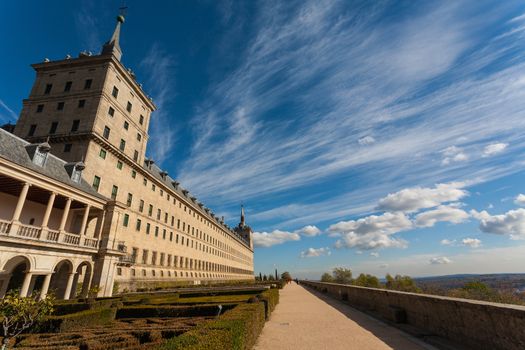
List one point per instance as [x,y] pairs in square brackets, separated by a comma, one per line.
[49,208]
[25,285]
[45,286]
[73,292]
[15,220]
[69,285]
[85,219]
[65,215]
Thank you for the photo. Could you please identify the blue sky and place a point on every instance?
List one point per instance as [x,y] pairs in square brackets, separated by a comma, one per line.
[382,136]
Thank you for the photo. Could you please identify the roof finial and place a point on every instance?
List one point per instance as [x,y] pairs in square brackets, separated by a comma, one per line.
[112,46]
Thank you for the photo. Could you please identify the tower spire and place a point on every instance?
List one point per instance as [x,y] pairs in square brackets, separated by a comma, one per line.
[242,216]
[112,46]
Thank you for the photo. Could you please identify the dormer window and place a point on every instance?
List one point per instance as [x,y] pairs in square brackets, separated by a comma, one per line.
[75,172]
[40,156]
[76,176]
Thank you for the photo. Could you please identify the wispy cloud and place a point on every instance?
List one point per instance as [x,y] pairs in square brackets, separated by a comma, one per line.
[316,81]
[314,253]
[6,113]
[159,68]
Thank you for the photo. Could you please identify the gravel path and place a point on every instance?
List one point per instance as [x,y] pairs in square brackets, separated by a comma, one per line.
[302,321]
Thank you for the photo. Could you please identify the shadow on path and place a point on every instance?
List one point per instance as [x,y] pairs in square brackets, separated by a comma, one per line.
[384,331]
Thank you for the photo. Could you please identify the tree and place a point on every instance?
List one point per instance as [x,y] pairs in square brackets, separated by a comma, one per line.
[401,283]
[326,277]
[265,278]
[342,275]
[286,276]
[20,313]
[367,281]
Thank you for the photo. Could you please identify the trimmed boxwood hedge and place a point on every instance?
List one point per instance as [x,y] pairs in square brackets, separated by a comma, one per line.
[171,311]
[78,320]
[236,329]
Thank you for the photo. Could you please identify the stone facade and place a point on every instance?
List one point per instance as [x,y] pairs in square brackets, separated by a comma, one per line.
[146,229]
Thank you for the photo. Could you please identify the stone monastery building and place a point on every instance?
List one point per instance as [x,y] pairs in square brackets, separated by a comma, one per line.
[83,210]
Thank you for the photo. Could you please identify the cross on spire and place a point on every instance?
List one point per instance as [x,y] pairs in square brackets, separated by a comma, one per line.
[112,46]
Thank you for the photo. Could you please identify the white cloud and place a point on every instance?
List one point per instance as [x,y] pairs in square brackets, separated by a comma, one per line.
[446,213]
[11,115]
[494,148]
[520,200]
[383,266]
[309,231]
[372,232]
[374,254]
[367,140]
[447,242]
[471,242]
[511,223]
[268,239]
[416,198]
[453,154]
[440,260]
[312,252]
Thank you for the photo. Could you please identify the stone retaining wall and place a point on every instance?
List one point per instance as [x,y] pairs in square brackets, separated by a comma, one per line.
[476,324]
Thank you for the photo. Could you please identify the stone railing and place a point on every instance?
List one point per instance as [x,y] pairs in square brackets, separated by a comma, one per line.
[4,226]
[45,235]
[476,324]
[29,231]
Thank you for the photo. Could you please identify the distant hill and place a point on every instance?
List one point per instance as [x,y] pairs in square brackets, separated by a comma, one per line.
[503,282]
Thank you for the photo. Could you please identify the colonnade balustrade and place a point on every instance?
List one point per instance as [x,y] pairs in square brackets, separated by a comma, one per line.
[13,227]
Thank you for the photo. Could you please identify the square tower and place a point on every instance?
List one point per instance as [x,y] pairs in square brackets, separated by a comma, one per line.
[88,107]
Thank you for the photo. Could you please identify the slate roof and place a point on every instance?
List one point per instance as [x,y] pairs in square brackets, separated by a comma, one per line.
[13,148]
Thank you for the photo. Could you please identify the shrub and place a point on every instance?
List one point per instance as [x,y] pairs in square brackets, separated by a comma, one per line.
[236,329]
[170,311]
[78,320]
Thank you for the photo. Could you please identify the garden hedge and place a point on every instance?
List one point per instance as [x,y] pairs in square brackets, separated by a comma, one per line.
[171,311]
[237,329]
[78,320]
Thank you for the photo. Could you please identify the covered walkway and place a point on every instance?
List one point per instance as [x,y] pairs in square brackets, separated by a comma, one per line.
[302,320]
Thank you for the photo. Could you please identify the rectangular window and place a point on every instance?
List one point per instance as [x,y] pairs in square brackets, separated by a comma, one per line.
[87,84]
[141,205]
[141,119]
[150,210]
[136,155]
[47,91]
[68,85]
[106,132]
[172,220]
[39,108]
[133,174]
[96,183]
[126,220]
[148,227]
[60,106]
[67,147]
[137,226]
[126,125]
[129,106]
[144,258]
[81,103]
[158,214]
[139,137]
[122,146]
[165,218]
[153,259]
[111,111]
[164,234]
[76,124]
[162,255]
[32,130]
[153,187]
[130,199]
[145,182]
[171,236]
[115,92]
[156,231]
[114,192]
[119,165]
[53,129]
[102,153]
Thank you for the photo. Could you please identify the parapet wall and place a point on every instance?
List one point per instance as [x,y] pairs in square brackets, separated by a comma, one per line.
[476,324]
